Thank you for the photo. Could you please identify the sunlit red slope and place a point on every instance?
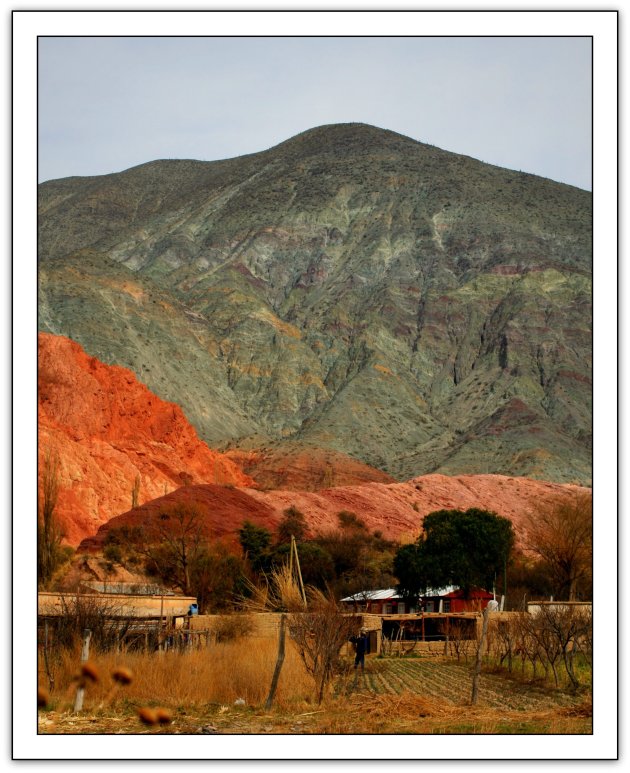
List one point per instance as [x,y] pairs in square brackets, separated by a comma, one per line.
[397,509]
[108,428]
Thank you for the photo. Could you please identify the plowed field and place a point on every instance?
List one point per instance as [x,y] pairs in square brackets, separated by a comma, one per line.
[452,682]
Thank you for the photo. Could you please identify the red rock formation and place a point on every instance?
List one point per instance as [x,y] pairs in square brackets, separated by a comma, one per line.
[223,510]
[396,509]
[298,467]
[108,428]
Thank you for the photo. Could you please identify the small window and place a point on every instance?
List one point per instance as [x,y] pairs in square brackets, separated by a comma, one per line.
[447,605]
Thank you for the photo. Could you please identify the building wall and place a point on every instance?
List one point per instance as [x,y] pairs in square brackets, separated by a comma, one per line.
[535,607]
[115,604]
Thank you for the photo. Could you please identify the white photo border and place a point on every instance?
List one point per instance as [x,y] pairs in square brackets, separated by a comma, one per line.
[602,26]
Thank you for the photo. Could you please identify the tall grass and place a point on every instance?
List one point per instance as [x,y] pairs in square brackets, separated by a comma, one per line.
[216,674]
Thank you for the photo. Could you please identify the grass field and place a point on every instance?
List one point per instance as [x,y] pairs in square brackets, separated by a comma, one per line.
[197,691]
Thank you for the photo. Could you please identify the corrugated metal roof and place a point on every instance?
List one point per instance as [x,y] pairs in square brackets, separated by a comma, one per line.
[374,595]
[392,593]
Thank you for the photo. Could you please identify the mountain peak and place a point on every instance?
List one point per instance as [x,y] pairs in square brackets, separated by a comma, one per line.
[344,138]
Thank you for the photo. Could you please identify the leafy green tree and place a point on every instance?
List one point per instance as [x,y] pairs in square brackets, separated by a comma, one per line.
[316,564]
[255,542]
[410,572]
[466,549]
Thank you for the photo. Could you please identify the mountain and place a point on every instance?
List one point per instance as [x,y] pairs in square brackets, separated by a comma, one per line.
[302,467]
[396,510]
[108,429]
[350,289]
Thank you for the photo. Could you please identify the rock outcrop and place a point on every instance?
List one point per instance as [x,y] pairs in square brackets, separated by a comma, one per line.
[110,431]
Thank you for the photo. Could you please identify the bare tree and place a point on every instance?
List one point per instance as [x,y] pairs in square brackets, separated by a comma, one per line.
[547,644]
[318,628]
[505,641]
[566,626]
[584,641]
[319,634]
[171,545]
[561,533]
[460,642]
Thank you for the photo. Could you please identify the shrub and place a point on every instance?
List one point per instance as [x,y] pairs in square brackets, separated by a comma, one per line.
[232,627]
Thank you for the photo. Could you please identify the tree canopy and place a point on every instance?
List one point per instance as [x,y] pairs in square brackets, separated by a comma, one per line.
[462,548]
[255,542]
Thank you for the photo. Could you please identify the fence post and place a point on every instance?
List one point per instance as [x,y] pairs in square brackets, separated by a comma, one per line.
[279,662]
[49,674]
[85,654]
[482,641]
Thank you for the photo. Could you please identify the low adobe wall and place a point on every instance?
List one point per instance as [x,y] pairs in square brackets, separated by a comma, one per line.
[115,605]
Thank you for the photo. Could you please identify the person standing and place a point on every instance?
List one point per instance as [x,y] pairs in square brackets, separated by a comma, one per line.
[360,647]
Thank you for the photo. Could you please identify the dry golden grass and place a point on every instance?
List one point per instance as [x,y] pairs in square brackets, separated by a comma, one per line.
[411,713]
[217,674]
[167,702]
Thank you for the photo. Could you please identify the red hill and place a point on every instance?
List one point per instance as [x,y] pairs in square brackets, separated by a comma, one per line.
[108,428]
[395,509]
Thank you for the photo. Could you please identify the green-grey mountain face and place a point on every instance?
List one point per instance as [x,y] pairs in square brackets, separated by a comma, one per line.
[350,288]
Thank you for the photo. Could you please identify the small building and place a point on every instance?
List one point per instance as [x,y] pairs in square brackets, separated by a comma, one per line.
[579,607]
[457,601]
[387,601]
[115,606]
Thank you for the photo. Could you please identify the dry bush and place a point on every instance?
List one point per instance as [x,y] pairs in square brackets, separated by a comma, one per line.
[230,627]
[88,612]
[218,674]
[319,634]
[459,640]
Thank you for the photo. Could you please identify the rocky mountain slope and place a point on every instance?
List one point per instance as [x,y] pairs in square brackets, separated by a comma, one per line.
[396,509]
[351,289]
[302,467]
[108,429]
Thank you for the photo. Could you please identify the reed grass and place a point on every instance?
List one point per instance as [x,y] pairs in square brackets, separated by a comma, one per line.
[217,674]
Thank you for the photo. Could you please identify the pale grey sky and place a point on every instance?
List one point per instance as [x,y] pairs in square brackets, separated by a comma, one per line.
[106,104]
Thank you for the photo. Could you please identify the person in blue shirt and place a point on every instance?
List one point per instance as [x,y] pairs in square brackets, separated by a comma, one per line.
[360,647]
